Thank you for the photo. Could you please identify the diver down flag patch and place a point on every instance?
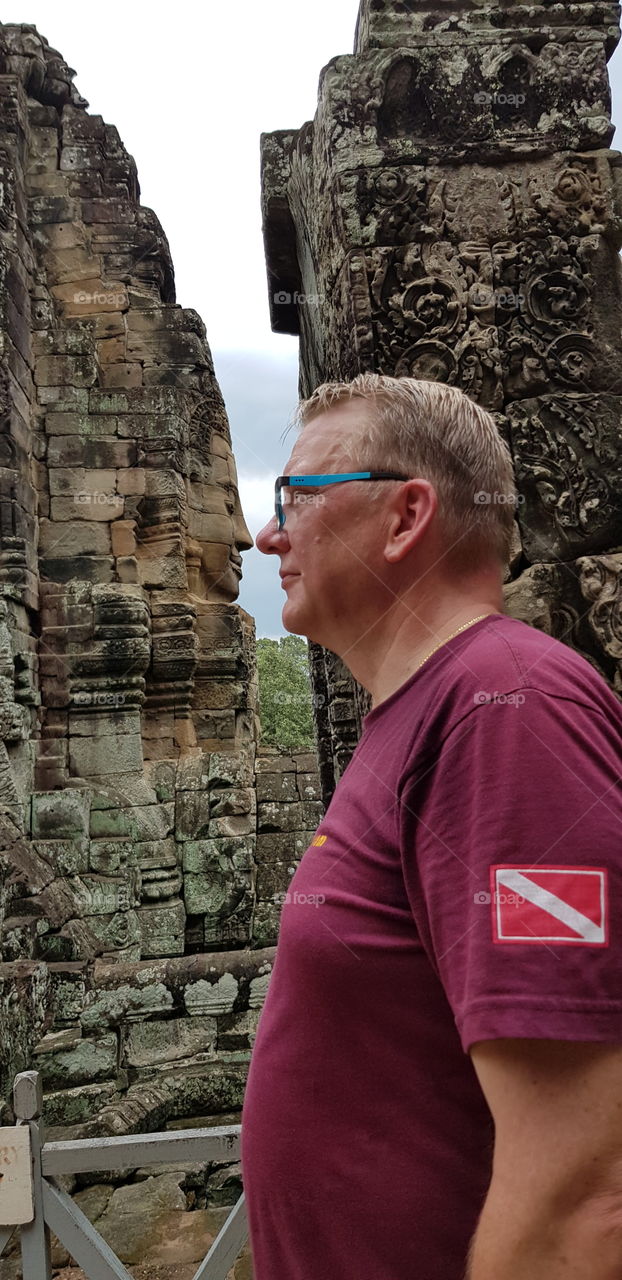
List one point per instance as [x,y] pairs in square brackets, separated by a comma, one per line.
[550,904]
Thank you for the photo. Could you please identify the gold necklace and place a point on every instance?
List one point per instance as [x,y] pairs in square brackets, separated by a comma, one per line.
[448,638]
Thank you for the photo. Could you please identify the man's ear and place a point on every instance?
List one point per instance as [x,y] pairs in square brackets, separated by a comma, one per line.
[412,509]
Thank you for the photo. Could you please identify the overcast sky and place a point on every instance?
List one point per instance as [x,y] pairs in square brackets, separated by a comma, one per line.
[190,87]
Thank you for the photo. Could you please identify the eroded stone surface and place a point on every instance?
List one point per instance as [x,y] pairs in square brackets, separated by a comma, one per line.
[133,918]
[453,213]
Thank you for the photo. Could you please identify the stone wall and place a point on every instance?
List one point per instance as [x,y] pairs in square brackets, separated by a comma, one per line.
[454,213]
[141,853]
[137,1042]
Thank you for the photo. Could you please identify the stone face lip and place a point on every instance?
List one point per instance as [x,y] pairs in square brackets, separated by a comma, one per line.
[138,915]
[461,216]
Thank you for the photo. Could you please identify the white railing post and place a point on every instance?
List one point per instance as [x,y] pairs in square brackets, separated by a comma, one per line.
[35,1237]
[34,1199]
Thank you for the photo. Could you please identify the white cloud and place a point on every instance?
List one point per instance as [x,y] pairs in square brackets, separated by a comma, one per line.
[190,89]
[257,498]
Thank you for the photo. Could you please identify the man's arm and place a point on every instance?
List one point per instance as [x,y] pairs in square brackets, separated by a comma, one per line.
[554,1206]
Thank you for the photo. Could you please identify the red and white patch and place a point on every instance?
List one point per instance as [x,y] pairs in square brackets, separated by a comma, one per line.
[550,904]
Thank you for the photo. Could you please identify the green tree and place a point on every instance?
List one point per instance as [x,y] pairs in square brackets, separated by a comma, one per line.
[285,697]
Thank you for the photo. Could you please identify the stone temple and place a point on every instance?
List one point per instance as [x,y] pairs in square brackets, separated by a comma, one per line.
[144,843]
[454,212]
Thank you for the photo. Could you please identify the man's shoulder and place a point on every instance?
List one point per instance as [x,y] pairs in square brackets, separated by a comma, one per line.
[506,662]
[519,656]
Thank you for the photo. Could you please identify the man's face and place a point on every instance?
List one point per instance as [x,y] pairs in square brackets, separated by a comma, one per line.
[329,546]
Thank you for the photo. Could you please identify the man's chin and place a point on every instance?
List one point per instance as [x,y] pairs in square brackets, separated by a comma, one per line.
[297,620]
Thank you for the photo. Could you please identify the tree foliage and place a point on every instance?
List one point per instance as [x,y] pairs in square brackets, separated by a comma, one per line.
[285,697]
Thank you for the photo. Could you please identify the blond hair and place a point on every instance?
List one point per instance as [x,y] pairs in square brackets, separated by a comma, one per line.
[435,432]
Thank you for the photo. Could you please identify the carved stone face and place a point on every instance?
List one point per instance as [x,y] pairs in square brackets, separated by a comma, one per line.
[217,530]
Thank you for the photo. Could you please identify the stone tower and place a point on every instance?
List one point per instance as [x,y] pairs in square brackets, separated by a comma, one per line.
[143,849]
[454,213]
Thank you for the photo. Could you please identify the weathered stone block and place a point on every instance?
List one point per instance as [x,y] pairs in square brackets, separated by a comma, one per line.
[218,894]
[80,482]
[150,1043]
[112,754]
[98,895]
[162,777]
[152,821]
[65,370]
[202,857]
[149,854]
[306,762]
[124,538]
[117,935]
[211,998]
[88,568]
[75,1106]
[237,800]
[275,764]
[109,856]
[87,506]
[60,814]
[69,995]
[111,823]
[230,770]
[237,1030]
[235,825]
[192,773]
[162,930]
[258,990]
[289,817]
[88,451]
[75,537]
[69,857]
[90,297]
[86,1062]
[124,1004]
[276,786]
[273,880]
[192,815]
[308,786]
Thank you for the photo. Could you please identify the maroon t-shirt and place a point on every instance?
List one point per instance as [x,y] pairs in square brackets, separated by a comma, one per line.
[464,885]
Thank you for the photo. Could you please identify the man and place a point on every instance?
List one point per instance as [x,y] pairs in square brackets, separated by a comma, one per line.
[436,1084]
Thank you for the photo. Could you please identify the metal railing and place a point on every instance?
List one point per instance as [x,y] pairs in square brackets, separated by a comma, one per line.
[31,1199]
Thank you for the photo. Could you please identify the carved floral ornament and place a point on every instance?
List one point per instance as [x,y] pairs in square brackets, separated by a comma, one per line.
[403,96]
[402,204]
[568,466]
[599,579]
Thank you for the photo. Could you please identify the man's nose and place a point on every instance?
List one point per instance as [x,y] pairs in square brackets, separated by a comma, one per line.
[271,540]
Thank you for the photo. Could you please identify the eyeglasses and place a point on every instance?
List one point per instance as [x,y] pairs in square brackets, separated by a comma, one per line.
[317,481]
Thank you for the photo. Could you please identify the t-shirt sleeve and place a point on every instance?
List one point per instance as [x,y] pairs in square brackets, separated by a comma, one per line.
[511,845]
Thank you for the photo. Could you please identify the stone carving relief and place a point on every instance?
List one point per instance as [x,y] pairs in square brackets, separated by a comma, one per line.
[130,826]
[478,247]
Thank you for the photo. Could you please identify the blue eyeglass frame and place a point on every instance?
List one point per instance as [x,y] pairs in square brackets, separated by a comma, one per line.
[313,481]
